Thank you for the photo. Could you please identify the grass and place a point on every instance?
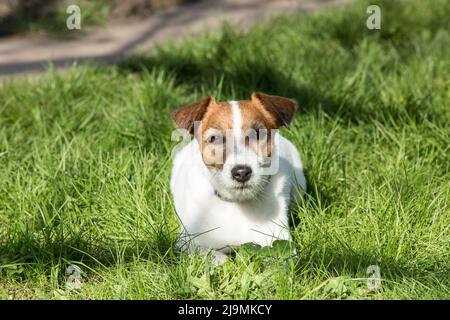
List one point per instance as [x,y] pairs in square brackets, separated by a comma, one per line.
[85,163]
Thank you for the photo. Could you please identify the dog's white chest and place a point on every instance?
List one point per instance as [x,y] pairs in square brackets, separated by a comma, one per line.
[218,224]
[209,221]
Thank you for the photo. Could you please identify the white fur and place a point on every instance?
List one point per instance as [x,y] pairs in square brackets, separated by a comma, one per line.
[237,120]
[258,214]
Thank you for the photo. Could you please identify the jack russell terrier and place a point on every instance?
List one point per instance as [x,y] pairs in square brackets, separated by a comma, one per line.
[233,183]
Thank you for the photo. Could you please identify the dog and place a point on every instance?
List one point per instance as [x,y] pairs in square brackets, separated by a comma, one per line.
[233,183]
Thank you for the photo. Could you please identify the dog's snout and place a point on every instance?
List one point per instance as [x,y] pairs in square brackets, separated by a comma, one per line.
[241,173]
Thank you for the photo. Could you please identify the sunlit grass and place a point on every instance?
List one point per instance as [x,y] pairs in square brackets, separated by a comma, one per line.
[85,163]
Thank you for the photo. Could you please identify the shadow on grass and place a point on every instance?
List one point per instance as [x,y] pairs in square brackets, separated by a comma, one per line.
[24,13]
[343,261]
[95,253]
[249,75]
[19,260]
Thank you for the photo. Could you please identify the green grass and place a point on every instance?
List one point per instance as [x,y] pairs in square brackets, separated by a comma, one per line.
[85,163]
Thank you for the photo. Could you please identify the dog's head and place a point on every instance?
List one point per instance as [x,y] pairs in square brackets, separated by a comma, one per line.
[236,139]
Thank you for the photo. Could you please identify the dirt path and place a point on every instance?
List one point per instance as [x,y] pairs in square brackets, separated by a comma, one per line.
[25,55]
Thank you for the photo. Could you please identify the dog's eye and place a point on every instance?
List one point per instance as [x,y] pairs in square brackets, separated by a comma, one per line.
[258,134]
[214,139]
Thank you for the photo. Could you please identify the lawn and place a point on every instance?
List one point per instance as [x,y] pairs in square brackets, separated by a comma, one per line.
[85,159]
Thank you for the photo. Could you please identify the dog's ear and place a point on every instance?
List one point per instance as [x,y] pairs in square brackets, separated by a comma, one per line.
[280,109]
[185,116]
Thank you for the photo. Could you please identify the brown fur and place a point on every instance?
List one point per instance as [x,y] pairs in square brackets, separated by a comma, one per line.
[186,116]
[261,112]
[218,116]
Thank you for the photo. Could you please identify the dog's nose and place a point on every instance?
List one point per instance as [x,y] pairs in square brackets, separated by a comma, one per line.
[241,173]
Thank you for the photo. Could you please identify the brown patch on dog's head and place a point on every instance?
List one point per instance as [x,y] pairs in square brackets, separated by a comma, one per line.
[256,128]
[259,116]
[278,110]
[263,114]
[212,136]
[186,116]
